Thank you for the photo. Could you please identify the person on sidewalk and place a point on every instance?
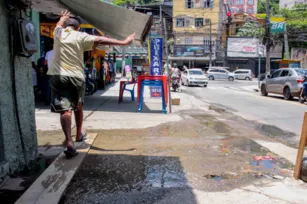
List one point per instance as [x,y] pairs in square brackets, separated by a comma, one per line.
[46,81]
[67,80]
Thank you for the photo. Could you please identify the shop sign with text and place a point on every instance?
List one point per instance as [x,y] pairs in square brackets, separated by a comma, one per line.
[156,46]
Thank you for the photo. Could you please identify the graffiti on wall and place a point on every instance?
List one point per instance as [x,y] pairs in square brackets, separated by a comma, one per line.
[301,55]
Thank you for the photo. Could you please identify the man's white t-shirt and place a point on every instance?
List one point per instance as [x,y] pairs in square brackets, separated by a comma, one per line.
[69,47]
[49,58]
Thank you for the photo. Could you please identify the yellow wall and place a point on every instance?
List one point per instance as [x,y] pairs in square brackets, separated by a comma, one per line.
[179,10]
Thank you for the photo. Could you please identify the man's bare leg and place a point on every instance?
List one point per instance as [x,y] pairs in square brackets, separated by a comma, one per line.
[66,126]
[79,121]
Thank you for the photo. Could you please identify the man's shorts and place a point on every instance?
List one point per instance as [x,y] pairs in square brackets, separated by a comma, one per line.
[67,93]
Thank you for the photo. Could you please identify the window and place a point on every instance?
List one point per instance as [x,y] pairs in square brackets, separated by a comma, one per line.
[301,72]
[188,40]
[250,2]
[194,72]
[189,3]
[180,22]
[250,10]
[222,71]
[240,2]
[199,22]
[275,74]
[232,2]
[284,73]
[208,3]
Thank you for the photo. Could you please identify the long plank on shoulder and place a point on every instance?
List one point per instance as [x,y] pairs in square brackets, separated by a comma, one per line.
[50,186]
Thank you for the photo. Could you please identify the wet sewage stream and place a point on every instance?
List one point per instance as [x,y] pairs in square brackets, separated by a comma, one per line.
[168,161]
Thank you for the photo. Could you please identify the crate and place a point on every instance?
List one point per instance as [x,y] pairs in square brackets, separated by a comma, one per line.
[176,101]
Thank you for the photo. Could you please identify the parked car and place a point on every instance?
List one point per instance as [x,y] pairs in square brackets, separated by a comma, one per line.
[244,74]
[214,73]
[286,81]
[194,77]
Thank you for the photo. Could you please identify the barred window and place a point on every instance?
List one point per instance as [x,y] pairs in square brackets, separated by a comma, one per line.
[199,22]
[189,3]
[180,22]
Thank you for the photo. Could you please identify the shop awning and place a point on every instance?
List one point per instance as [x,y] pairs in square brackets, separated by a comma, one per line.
[115,21]
[190,58]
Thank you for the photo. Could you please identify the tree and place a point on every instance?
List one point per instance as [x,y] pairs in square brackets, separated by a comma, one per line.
[296,22]
[274,6]
[251,29]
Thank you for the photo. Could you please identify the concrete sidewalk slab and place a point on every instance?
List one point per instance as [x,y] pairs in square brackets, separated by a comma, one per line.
[50,186]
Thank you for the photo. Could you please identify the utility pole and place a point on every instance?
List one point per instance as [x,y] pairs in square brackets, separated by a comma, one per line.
[268,38]
[210,45]
[286,43]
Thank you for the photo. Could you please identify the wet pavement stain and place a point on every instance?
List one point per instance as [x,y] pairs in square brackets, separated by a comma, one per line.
[166,162]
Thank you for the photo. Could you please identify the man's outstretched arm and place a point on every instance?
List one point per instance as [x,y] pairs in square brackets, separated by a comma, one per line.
[100,40]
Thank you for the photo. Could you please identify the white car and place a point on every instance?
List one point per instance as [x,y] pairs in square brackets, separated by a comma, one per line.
[244,74]
[214,73]
[194,77]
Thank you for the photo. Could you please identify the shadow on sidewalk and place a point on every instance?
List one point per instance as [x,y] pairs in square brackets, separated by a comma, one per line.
[110,104]
[119,178]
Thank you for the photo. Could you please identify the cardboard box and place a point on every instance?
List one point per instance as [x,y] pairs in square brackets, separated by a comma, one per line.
[176,101]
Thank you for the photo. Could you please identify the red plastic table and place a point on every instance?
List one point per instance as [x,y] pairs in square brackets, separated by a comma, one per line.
[148,77]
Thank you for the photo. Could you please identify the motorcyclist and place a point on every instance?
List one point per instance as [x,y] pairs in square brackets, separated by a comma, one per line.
[175,73]
[305,86]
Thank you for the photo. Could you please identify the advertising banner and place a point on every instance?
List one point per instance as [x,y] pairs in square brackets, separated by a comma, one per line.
[242,47]
[191,51]
[156,46]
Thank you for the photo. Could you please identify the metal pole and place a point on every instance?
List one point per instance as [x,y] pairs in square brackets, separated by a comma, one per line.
[161,24]
[259,66]
[286,43]
[210,46]
[123,60]
[167,70]
[268,38]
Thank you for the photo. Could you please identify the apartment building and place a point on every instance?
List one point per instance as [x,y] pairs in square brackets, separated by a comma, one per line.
[191,28]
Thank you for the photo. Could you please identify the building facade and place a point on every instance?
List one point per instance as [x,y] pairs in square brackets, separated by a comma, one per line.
[191,28]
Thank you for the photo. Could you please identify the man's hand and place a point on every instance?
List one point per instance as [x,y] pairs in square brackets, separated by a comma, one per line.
[129,39]
[64,16]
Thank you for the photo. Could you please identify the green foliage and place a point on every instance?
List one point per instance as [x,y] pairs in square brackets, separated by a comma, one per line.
[251,29]
[274,6]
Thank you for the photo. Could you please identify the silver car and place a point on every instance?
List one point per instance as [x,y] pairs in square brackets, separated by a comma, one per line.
[244,74]
[286,81]
[214,73]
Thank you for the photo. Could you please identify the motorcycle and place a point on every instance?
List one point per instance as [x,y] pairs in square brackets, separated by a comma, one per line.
[175,83]
[90,84]
[302,98]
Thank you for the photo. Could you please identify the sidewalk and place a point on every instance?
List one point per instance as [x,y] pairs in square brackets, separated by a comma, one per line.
[197,154]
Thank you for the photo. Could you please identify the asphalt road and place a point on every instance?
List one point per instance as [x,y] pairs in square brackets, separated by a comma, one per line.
[240,98]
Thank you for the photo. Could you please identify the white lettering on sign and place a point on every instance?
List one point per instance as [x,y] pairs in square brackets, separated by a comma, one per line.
[280,25]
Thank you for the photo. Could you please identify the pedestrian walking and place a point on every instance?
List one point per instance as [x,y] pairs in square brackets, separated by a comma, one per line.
[67,74]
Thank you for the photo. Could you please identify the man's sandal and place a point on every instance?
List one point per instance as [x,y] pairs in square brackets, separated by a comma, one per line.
[84,134]
[70,153]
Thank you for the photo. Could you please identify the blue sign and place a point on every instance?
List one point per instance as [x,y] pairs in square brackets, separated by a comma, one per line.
[156,46]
